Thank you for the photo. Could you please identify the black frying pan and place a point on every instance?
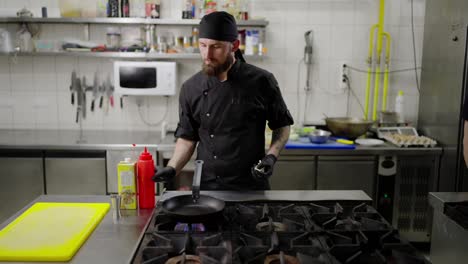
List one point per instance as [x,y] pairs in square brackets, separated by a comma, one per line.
[193,207]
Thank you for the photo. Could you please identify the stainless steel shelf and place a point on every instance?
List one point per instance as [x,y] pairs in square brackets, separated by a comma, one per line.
[122,55]
[123,20]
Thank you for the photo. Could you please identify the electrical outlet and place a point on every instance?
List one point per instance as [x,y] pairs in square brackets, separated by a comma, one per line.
[344,69]
[344,78]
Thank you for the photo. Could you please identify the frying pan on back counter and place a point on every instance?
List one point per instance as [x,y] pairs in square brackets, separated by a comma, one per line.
[193,207]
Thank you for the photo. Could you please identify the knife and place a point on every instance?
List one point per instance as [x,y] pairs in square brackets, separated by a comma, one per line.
[95,89]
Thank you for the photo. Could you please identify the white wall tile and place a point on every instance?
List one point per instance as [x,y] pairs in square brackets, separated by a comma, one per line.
[341,43]
[46,110]
[115,118]
[392,12]
[320,12]
[66,111]
[419,8]
[44,74]
[360,42]
[296,42]
[295,12]
[276,42]
[366,12]
[22,75]
[340,35]
[6,117]
[404,45]
[342,12]
[321,43]
[6,110]
[5,85]
[23,110]
[405,81]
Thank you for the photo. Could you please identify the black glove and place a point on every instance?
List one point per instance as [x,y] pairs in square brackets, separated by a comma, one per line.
[165,174]
[264,169]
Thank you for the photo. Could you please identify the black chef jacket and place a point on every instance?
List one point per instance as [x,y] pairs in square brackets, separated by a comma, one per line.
[228,119]
[465,108]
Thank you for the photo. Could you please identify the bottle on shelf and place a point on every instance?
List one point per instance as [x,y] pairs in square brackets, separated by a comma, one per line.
[113,8]
[210,6]
[187,11]
[244,10]
[230,6]
[155,9]
[399,107]
[200,9]
[124,8]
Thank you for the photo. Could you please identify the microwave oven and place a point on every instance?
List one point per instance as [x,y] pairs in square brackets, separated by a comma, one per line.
[145,78]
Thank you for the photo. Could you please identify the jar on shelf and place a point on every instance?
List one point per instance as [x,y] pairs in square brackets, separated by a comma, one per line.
[210,7]
[113,38]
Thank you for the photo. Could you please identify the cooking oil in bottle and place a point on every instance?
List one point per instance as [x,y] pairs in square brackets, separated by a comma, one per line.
[126,171]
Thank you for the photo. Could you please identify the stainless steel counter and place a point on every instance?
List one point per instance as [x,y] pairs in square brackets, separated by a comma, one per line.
[87,139]
[119,139]
[110,242]
[385,149]
[437,199]
[117,242]
[230,196]
[449,239]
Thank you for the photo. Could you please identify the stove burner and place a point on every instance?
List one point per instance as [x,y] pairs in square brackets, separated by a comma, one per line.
[271,226]
[185,259]
[256,217]
[189,227]
[347,224]
[278,233]
[281,258]
[347,217]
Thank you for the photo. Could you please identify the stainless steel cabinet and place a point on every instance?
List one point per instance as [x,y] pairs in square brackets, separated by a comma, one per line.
[21,180]
[294,173]
[75,172]
[416,177]
[346,173]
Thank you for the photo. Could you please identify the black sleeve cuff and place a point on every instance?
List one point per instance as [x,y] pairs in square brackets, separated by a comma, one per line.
[186,134]
[282,120]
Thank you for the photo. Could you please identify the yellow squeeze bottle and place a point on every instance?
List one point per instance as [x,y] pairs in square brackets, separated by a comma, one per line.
[126,171]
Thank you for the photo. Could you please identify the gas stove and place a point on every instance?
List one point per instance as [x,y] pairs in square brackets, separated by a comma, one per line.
[296,232]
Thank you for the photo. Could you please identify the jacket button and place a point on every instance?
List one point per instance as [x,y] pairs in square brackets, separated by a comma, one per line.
[207,114]
[215,157]
[217,177]
[205,93]
[211,136]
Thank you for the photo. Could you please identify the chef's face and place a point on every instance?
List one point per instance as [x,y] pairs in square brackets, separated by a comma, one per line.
[217,55]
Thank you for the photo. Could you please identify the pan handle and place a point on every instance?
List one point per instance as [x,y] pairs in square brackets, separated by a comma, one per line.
[196,180]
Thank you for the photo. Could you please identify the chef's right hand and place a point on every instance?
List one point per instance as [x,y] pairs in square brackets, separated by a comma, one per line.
[165,174]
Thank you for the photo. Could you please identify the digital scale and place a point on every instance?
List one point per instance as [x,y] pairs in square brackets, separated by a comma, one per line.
[383,131]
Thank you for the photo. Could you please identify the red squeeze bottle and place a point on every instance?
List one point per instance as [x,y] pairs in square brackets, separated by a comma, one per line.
[145,172]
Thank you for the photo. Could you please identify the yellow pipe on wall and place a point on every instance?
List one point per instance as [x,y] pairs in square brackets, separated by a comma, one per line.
[387,66]
[379,51]
[369,70]
[376,92]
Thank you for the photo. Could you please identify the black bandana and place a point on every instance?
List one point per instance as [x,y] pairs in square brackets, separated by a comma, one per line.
[218,26]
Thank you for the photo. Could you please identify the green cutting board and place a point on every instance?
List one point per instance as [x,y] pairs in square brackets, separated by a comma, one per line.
[50,231]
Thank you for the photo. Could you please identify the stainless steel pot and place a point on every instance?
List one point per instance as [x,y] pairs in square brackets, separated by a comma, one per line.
[348,127]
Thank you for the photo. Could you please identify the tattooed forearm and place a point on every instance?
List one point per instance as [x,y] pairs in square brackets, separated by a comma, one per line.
[278,140]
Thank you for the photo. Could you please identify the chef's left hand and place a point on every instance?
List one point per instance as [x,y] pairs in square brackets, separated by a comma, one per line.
[264,169]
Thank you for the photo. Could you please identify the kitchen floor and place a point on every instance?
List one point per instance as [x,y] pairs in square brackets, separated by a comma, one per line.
[424,249]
